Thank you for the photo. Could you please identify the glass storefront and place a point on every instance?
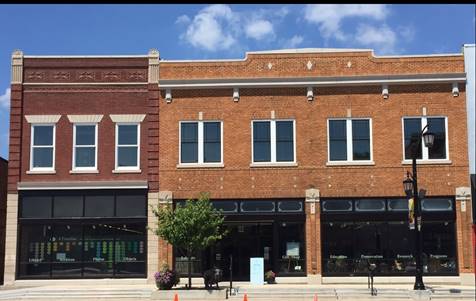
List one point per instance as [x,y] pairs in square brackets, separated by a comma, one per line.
[272,229]
[82,235]
[353,238]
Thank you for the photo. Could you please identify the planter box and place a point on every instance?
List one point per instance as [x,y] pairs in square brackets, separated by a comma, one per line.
[193,294]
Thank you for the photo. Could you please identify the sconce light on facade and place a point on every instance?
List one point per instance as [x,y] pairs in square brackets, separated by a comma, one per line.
[385,91]
[236,94]
[310,94]
[168,95]
[455,90]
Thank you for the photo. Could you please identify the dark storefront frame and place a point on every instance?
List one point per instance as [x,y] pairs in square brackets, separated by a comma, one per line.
[385,218]
[274,217]
[85,219]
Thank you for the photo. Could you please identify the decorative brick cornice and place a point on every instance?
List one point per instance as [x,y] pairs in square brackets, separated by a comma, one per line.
[17,67]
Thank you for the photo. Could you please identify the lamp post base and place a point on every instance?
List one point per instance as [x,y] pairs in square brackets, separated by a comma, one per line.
[419,286]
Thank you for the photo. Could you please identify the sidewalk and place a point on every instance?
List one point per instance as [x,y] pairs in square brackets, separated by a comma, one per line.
[279,292]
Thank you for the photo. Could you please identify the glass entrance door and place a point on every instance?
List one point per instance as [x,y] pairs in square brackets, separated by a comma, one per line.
[244,240]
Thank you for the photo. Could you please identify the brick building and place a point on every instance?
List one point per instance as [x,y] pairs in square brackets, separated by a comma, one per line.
[3,211]
[303,150]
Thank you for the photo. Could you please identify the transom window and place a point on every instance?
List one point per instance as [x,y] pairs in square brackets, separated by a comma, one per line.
[127,146]
[42,147]
[273,141]
[350,140]
[412,127]
[201,142]
[85,147]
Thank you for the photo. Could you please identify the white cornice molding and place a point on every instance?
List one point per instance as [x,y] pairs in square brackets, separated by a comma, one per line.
[85,118]
[17,67]
[127,117]
[42,118]
[313,81]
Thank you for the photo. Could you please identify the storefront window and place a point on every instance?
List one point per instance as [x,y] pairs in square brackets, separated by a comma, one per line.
[226,206]
[337,205]
[370,205]
[87,246]
[352,241]
[290,206]
[35,253]
[257,206]
[439,248]
[66,251]
[291,248]
[97,256]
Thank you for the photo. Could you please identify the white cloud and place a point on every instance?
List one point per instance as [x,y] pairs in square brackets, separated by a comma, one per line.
[329,16]
[381,38]
[295,41]
[259,29]
[218,27]
[212,28]
[5,98]
[406,32]
[183,19]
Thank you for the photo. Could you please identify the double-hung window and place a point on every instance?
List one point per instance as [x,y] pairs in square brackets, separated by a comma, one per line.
[127,146]
[201,143]
[42,147]
[273,142]
[85,147]
[350,140]
[412,127]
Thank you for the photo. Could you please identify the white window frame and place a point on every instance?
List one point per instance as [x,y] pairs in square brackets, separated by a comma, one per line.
[92,168]
[201,143]
[32,136]
[272,128]
[425,155]
[349,142]
[136,168]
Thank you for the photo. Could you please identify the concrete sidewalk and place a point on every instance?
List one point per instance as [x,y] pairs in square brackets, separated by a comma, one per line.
[278,292]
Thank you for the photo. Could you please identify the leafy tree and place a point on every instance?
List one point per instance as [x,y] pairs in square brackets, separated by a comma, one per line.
[191,227]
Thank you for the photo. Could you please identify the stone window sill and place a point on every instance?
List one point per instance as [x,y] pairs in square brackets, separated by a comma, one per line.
[83,171]
[274,164]
[197,165]
[350,163]
[427,162]
[41,172]
[127,171]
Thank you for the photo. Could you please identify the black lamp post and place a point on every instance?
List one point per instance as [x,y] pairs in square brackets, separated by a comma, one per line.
[410,184]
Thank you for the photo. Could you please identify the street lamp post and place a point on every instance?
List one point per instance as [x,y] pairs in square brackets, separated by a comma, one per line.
[410,185]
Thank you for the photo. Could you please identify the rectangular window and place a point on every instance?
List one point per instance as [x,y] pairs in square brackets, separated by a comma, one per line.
[273,141]
[85,147]
[42,147]
[412,128]
[127,146]
[201,142]
[350,140]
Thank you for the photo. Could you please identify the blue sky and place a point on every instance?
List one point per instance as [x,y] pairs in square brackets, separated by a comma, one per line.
[224,31]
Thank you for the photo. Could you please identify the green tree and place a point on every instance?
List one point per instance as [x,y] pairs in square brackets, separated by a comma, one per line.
[191,227]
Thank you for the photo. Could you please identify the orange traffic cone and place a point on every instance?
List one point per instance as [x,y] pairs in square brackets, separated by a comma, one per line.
[315,297]
[176,297]
[245,298]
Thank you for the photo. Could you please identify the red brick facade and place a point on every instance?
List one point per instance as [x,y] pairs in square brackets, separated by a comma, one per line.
[123,86]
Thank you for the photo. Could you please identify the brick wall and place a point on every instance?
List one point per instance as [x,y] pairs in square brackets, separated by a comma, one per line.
[3,212]
[238,179]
